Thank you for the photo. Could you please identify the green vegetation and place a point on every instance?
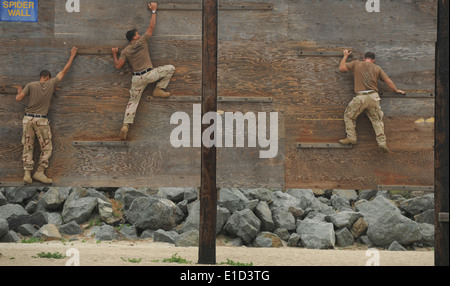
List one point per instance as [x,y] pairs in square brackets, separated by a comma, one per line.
[176,259]
[55,255]
[132,260]
[232,263]
[32,240]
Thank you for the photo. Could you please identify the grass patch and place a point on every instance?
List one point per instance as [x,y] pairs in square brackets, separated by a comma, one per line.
[232,263]
[55,255]
[131,260]
[176,259]
[32,240]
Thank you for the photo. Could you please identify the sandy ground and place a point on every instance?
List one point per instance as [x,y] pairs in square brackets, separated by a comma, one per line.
[120,253]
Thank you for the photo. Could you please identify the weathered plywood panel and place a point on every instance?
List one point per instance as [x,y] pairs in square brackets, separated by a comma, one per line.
[258,58]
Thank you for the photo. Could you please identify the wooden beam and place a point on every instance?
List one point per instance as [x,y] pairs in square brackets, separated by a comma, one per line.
[441,137]
[219,99]
[208,190]
[303,145]
[231,6]
[320,53]
[408,95]
[405,188]
[100,143]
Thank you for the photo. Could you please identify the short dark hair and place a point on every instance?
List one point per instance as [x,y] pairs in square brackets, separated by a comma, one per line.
[131,34]
[45,73]
[369,55]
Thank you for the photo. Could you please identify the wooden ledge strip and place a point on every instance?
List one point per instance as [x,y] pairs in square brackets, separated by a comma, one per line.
[237,6]
[405,187]
[219,99]
[302,145]
[408,95]
[320,53]
[100,143]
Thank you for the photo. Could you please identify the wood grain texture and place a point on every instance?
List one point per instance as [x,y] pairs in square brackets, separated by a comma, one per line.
[258,57]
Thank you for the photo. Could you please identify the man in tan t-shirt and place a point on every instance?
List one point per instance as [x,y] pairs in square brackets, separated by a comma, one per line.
[137,55]
[366,76]
[35,122]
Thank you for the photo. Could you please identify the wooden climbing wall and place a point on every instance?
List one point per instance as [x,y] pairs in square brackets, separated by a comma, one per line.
[274,56]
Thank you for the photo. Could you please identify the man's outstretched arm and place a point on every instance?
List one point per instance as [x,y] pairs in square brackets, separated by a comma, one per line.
[118,62]
[62,73]
[392,86]
[342,65]
[152,6]
[20,94]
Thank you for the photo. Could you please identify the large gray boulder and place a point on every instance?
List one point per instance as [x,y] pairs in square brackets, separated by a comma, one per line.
[306,198]
[232,199]
[340,203]
[176,195]
[165,236]
[127,195]
[243,224]
[152,213]
[19,195]
[344,219]
[344,238]
[48,232]
[38,218]
[376,208]
[53,199]
[264,214]
[4,228]
[260,194]
[3,200]
[418,205]
[316,235]
[193,219]
[187,239]
[283,219]
[78,210]
[9,210]
[393,226]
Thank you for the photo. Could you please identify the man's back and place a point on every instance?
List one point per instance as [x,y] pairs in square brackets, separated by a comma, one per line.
[366,75]
[40,95]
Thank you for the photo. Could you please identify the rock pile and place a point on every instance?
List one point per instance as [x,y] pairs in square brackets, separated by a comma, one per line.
[319,219]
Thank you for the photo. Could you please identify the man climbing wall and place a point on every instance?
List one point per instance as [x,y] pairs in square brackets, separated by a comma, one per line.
[143,72]
[366,75]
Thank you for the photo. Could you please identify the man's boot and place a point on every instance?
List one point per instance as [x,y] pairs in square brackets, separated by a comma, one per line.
[41,177]
[383,148]
[158,92]
[347,141]
[27,178]
[124,131]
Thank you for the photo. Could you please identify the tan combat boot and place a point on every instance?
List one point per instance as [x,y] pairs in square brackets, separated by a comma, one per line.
[27,178]
[124,131]
[383,148]
[347,141]
[157,92]
[41,177]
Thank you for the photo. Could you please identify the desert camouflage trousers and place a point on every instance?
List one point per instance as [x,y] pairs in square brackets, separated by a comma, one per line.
[32,128]
[373,110]
[162,74]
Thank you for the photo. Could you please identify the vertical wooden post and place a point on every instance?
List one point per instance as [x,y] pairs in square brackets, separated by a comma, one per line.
[208,192]
[441,155]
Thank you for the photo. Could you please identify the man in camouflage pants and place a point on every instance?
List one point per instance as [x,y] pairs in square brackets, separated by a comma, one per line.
[137,55]
[35,122]
[366,75]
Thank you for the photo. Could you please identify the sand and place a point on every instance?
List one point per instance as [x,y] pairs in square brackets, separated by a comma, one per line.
[149,253]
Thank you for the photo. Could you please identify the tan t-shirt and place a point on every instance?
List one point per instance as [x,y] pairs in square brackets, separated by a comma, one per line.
[41,94]
[137,54]
[366,75]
